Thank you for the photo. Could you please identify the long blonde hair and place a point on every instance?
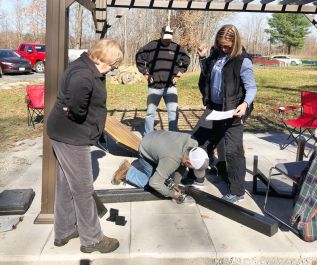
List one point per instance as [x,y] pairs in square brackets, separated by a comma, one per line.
[106,51]
[230,33]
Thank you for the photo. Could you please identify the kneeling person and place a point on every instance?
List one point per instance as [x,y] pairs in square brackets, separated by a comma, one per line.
[161,154]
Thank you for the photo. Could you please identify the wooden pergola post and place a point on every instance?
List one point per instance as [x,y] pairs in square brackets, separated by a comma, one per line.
[57,21]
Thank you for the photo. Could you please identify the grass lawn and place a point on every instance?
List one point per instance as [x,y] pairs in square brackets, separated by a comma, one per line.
[276,86]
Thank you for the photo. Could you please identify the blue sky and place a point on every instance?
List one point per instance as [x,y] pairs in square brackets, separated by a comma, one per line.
[9,4]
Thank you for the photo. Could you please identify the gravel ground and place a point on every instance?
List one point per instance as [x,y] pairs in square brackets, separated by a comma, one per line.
[15,161]
[17,80]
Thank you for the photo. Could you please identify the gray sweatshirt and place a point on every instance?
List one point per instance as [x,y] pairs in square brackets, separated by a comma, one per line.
[166,149]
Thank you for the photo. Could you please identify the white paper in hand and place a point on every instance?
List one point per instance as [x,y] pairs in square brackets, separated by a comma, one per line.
[220,115]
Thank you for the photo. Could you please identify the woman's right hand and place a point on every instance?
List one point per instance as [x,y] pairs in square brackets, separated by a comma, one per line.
[202,50]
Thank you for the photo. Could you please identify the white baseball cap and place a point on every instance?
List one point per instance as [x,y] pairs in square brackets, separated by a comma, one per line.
[199,161]
[167,33]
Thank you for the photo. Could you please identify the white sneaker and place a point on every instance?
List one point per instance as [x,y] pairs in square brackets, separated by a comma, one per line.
[198,185]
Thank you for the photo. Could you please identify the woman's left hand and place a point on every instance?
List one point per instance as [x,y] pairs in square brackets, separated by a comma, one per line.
[241,110]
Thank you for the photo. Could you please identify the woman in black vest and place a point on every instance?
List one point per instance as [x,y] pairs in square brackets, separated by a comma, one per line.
[226,83]
[76,122]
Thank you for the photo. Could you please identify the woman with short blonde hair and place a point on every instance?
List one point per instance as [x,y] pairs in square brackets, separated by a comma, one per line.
[75,123]
[106,51]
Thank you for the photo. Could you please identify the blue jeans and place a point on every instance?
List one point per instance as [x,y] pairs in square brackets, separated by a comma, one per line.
[140,173]
[153,100]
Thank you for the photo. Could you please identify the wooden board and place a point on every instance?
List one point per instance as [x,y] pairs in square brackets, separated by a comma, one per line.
[121,134]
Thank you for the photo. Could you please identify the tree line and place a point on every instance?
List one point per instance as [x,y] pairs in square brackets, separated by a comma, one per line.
[281,33]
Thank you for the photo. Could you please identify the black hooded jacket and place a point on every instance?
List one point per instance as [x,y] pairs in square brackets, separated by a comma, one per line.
[83,93]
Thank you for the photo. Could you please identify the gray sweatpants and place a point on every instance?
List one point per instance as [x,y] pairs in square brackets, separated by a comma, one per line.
[74,204]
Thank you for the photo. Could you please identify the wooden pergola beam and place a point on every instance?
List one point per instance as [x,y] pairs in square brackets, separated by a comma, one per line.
[266,1]
[304,2]
[247,1]
[87,4]
[312,20]
[214,6]
[101,18]
[68,3]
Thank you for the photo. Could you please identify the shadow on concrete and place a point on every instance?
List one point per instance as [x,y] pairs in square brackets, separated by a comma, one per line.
[281,139]
[218,182]
[280,207]
[95,155]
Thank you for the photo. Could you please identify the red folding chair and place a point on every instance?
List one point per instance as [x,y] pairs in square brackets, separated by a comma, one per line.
[35,103]
[306,122]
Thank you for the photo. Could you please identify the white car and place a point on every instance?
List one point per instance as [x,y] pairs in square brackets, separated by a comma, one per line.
[73,54]
[287,59]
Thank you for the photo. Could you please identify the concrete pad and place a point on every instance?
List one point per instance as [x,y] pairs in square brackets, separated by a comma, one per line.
[307,250]
[164,229]
[26,242]
[232,239]
[156,232]
[71,251]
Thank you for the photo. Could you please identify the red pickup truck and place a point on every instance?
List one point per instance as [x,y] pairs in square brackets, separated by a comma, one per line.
[34,52]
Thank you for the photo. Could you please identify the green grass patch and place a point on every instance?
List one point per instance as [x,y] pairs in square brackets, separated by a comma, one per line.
[276,86]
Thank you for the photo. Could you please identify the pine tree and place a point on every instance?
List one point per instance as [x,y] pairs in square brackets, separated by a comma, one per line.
[289,29]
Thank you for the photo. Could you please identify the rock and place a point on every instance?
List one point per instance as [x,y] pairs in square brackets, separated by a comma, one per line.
[127,78]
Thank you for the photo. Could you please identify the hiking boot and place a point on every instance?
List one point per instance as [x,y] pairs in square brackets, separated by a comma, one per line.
[232,198]
[121,172]
[64,241]
[106,245]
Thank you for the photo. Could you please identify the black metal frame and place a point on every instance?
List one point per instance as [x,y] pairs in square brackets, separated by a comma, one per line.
[266,200]
[272,189]
[128,195]
[33,113]
[255,221]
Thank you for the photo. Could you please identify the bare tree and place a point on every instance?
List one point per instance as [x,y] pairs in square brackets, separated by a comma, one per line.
[1,13]
[19,19]
[36,14]
[193,28]
[79,26]
[255,40]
